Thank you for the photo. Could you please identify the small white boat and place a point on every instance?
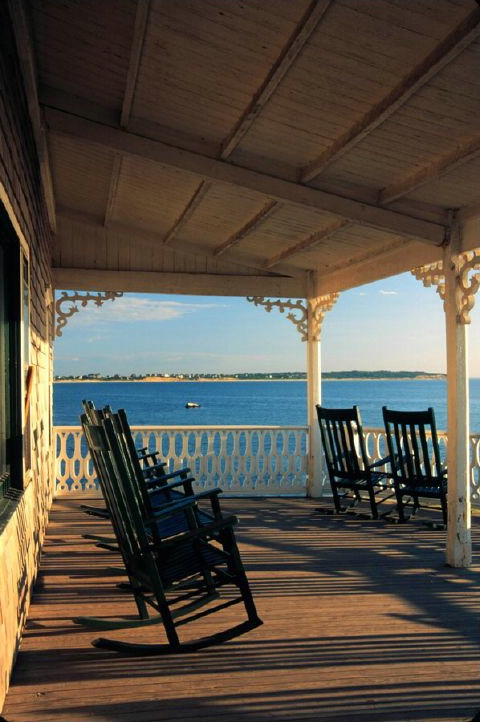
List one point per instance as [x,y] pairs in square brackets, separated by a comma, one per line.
[192,405]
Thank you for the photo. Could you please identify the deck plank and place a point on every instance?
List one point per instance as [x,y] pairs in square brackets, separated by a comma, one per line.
[362,622]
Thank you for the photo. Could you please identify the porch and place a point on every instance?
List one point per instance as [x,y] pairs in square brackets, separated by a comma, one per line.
[281,151]
[362,621]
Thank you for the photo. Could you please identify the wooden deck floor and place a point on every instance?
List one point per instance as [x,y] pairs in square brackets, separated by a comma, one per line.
[362,622]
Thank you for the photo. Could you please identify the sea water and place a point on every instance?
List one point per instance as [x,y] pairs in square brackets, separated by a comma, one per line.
[257,403]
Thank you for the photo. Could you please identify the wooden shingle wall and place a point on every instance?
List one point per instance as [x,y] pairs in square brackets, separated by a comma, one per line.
[22,530]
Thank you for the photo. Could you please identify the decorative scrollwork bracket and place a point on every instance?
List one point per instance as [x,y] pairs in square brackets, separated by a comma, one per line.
[299,310]
[432,275]
[72,298]
[467,281]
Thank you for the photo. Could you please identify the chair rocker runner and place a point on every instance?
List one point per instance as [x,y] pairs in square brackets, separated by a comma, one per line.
[178,573]
[417,469]
[349,470]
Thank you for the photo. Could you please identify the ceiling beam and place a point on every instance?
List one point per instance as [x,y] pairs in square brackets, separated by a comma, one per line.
[469,228]
[223,172]
[309,242]
[140,28]
[443,54]
[187,212]
[287,57]
[113,188]
[195,284]
[267,210]
[455,158]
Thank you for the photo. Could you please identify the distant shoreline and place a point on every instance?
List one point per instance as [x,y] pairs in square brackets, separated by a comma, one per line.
[424,377]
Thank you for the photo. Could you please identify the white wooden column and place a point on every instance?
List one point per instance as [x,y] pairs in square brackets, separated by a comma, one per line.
[316,469]
[317,307]
[459,299]
[457,287]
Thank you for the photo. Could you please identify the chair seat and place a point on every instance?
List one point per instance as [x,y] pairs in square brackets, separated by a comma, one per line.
[423,489]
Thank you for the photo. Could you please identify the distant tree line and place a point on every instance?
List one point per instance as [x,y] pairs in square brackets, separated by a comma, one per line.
[260,376]
[379,374]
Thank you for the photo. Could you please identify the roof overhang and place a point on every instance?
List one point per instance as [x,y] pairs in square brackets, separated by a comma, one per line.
[240,148]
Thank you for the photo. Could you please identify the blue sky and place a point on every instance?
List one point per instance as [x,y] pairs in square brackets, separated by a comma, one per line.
[394,324]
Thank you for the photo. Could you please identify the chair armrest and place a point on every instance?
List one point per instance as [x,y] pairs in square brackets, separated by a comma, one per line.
[210,494]
[380,462]
[171,508]
[204,532]
[159,486]
[143,454]
[151,476]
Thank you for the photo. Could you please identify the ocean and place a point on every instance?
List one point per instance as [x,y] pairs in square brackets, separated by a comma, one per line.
[257,403]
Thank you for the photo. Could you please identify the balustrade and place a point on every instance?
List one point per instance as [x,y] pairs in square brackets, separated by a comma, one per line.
[249,461]
[253,460]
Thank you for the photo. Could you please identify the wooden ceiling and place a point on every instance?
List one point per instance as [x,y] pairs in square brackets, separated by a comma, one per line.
[237,146]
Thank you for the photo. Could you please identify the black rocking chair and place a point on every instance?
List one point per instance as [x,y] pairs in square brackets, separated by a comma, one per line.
[350,472]
[417,469]
[175,568]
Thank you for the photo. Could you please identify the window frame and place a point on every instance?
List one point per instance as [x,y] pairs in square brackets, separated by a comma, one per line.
[16,347]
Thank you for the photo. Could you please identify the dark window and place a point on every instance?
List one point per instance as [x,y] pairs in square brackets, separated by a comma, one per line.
[11,292]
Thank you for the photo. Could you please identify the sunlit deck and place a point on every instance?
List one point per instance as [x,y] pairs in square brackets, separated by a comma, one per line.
[362,621]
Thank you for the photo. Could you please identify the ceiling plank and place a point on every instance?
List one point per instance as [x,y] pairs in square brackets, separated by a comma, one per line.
[84,108]
[26,57]
[312,240]
[253,223]
[221,171]
[381,264]
[446,51]
[187,212]
[141,22]
[460,155]
[287,57]
[149,239]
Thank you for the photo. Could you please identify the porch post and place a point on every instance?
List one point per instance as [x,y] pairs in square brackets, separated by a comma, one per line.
[317,307]
[314,396]
[458,301]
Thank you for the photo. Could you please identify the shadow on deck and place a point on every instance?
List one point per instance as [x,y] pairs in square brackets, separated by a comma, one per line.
[362,621]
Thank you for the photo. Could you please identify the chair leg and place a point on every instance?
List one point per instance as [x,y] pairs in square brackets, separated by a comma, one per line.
[373,502]
[235,567]
[444,509]
[336,499]
[400,507]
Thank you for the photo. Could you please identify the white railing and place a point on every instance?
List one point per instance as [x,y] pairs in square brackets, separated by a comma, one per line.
[249,461]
